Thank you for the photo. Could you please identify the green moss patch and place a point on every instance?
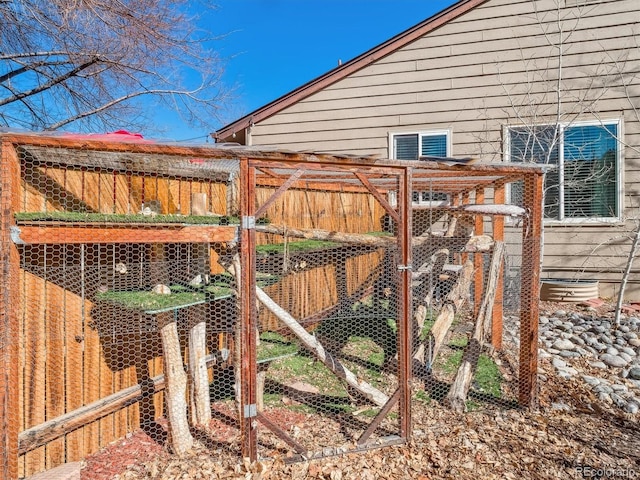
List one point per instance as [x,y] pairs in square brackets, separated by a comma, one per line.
[83,217]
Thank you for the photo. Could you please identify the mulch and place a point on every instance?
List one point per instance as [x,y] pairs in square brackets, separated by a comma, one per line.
[587,439]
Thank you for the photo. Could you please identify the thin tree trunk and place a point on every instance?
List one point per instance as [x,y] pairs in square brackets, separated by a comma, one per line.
[627,272]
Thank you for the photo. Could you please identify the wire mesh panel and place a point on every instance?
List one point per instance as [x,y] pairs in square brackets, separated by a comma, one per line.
[467,287]
[126,315]
[329,323]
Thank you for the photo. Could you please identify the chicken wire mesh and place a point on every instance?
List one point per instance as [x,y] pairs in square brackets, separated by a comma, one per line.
[126,317]
[258,307]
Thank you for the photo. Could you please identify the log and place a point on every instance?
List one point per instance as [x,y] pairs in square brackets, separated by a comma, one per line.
[42,434]
[199,385]
[316,348]
[199,204]
[460,388]
[235,269]
[453,303]
[180,438]
[478,243]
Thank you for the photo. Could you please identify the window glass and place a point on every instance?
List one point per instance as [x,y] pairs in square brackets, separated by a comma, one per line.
[434,145]
[405,147]
[584,184]
[412,146]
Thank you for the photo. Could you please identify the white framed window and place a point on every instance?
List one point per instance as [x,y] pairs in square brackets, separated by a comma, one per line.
[586,184]
[412,146]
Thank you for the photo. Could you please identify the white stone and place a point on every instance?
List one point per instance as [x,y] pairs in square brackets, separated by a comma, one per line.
[613,360]
[563,344]
[558,363]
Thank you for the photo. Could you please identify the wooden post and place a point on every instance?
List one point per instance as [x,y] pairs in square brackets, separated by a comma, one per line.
[9,311]
[460,387]
[530,290]
[498,236]
[478,282]
[199,385]
[248,311]
[405,347]
[180,438]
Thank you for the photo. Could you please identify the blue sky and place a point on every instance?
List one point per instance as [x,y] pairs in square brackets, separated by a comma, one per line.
[273,46]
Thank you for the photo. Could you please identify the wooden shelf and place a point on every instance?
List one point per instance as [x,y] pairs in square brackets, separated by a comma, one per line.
[153,303]
[67,233]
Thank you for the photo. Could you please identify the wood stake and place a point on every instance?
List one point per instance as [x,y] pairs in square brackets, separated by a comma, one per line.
[460,388]
[453,303]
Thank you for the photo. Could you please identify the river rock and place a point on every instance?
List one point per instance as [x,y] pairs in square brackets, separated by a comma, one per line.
[627,357]
[591,380]
[613,360]
[604,397]
[601,365]
[618,400]
[612,351]
[632,408]
[558,363]
[634,373]
[563,344]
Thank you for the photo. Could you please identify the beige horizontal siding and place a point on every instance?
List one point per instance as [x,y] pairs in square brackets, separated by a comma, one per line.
[469,76]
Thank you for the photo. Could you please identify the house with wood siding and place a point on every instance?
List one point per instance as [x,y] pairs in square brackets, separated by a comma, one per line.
[545,81]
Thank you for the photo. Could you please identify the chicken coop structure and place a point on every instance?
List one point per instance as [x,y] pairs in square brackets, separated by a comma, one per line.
[269,302]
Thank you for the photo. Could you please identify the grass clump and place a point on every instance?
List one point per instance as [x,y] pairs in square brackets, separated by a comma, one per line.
[149,301]
[88,217]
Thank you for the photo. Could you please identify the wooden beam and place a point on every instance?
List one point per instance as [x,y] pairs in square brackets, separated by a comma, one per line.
[482,243]
[496,326]
[278,193]
[335,186]
[383,201]
[315,347]
[9,312]
[143,233]
[375,423]
[42,434]
[530,291]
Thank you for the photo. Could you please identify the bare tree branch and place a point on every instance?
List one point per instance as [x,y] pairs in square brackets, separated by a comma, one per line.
[87,63]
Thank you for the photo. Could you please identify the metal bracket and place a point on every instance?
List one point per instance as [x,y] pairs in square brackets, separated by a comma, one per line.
[250,411]
[248,222]
[405,267]
[15,236]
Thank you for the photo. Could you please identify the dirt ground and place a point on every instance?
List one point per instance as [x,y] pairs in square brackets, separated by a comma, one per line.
[583,439]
